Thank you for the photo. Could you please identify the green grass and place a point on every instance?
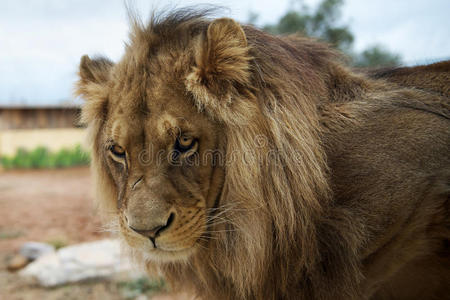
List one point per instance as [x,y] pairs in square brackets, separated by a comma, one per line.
[5,235]
[58,243]
[41,158]
[143,285]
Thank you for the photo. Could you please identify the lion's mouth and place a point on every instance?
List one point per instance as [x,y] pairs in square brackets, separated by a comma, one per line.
[173,242]
[160,230]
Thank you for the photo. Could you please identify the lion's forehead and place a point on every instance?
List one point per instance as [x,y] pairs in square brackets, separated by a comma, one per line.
[167,123]
[150,99]
[160,112]
[158,126]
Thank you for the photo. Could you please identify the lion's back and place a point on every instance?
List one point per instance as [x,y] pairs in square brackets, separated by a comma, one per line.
[433,78]
[394,169]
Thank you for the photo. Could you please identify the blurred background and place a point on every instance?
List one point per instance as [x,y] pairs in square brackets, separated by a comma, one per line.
[45,186]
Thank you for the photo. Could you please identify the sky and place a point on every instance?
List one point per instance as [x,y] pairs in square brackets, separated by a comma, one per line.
[41,41]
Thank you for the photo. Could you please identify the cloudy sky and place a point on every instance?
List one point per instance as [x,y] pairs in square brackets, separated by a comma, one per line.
[41,41]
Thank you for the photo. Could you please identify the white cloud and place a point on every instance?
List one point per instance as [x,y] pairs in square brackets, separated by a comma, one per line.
[41,41]
[416,29]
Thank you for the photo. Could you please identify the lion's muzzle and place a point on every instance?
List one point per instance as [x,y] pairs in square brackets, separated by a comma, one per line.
[154,232]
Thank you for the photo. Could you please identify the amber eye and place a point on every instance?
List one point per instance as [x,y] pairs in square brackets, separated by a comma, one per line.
[117,151]
[185,143]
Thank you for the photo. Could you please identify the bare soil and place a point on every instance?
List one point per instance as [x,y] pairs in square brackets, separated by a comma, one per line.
[52,206]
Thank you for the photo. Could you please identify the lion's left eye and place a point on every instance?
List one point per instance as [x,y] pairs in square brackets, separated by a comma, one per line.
[185,143]
[117,150]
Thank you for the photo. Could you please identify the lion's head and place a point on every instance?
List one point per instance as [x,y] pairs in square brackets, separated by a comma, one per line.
[207,150]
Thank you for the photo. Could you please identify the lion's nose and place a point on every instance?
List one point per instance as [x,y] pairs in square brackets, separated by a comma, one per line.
[154,232]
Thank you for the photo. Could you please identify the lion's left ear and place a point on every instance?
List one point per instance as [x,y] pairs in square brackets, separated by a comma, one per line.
[92,87]
[221,61]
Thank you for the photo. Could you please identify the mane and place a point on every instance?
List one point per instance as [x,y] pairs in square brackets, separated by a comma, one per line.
[278,194]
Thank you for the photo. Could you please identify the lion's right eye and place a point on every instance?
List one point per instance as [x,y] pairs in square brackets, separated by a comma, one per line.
[185,143]
[117,151]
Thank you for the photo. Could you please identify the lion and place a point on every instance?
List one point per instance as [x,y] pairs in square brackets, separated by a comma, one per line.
[242,165]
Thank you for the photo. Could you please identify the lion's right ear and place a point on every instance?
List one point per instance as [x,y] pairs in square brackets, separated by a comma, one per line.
[221,62]
[92,86]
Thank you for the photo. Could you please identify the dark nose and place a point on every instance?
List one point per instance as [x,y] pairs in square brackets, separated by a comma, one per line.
[154,232]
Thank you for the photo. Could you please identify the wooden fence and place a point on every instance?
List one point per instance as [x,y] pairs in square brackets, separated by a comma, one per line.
[27,117]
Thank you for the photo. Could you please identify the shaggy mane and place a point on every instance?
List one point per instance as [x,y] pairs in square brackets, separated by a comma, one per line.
[278,200]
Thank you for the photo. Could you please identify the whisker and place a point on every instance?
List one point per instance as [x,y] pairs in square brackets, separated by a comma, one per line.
[112,226]
[213,218]
[202,246]
[219,231]
[207,237]
[211,224]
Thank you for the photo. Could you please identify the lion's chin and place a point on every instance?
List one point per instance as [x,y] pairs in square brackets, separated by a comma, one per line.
[145,250]
[167,256]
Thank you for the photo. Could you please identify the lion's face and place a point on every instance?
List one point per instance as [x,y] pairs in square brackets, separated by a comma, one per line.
[161,158]
[158,155]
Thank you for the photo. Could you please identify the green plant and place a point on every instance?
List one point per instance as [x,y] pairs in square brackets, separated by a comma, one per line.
[57,243]
[142,285]
[39,157]
[4,235]
[42,158]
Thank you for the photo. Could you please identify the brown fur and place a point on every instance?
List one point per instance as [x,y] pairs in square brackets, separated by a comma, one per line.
[333,185]
[432,78]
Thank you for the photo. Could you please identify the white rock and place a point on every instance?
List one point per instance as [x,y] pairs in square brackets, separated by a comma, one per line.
[100,259]
[33,250]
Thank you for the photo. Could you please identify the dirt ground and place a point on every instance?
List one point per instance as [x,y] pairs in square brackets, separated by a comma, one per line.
[52,206]
[48,206]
